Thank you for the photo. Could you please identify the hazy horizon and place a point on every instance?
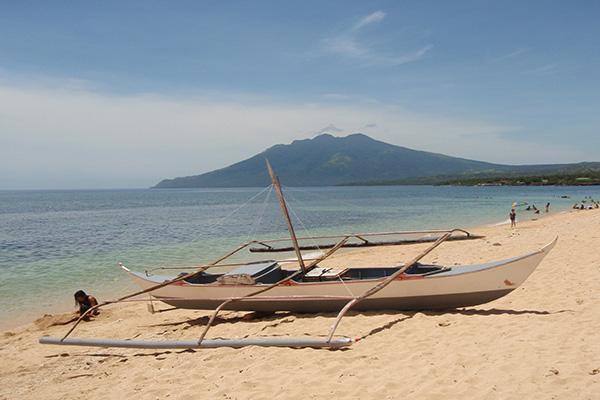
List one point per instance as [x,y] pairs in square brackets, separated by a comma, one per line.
[159,179]
[96,99]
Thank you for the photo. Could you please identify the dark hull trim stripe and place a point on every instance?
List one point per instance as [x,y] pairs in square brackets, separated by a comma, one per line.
[416,303]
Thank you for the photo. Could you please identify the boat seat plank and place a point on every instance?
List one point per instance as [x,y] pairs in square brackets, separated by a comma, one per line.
[324,274]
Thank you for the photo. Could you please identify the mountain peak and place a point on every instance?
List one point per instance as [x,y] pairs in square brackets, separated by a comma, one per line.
[359,135]
[329,160]
[328,137]
[351,136]
[324,136]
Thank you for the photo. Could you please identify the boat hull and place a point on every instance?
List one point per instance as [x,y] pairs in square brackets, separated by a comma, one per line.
[461,286]
[413,303]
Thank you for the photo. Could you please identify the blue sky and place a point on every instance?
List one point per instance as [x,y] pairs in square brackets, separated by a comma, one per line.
[122,94]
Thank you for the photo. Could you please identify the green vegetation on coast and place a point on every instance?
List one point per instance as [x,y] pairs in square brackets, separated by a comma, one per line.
[582,179]
[559,179]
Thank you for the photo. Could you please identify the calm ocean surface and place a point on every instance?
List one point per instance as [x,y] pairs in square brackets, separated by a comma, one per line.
[53,243]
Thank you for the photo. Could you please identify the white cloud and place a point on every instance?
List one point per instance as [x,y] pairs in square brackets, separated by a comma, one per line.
[350,48]
[545,69]
[513,54]
[331,129]
[335,96]
[73,138]
[372,18]
[402,58]
[348,45]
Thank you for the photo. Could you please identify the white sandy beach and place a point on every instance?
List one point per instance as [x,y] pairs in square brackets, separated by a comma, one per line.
[540,342]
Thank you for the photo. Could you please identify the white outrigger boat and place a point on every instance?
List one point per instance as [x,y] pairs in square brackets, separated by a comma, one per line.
[268,287]
[420,287]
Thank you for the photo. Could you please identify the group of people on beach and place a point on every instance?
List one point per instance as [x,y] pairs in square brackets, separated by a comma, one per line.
[513,213]
[535,209]
[588,203]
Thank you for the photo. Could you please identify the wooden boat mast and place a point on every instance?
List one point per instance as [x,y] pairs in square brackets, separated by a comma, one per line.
[286,214]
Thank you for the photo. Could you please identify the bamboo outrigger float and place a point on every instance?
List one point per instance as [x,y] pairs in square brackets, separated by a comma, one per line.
[310,288]
[362,240]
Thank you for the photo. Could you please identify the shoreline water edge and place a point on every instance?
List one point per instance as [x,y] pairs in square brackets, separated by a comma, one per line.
[57,268]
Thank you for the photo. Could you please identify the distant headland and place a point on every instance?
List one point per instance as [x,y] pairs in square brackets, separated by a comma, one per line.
[358,159]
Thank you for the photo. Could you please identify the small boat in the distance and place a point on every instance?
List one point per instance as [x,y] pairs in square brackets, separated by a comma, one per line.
[302,285]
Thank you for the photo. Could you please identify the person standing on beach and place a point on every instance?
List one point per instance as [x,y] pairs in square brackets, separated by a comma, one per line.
[548,207]
[513,218]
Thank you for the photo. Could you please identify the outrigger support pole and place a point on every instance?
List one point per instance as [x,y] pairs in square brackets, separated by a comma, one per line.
[384,283]
[269,287]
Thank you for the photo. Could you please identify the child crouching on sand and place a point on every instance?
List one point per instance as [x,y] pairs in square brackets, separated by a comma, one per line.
[85,302]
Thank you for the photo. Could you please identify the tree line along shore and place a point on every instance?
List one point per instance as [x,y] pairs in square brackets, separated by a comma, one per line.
[580,179]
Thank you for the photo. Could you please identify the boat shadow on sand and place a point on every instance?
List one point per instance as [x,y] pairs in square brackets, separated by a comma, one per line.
[288,317]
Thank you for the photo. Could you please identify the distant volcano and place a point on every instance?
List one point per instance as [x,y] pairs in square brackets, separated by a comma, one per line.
[327,160]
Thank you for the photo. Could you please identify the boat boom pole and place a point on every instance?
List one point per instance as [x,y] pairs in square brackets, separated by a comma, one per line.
[286,214]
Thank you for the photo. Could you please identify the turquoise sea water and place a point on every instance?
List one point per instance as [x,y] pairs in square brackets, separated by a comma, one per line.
[53,243]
